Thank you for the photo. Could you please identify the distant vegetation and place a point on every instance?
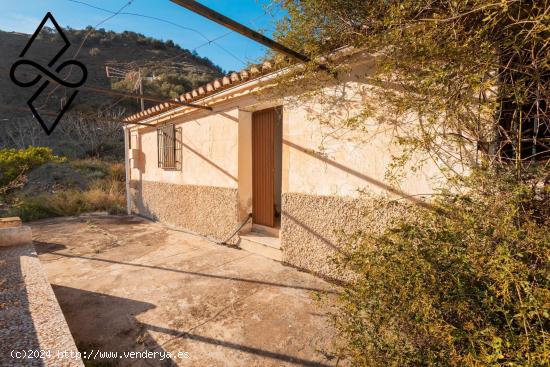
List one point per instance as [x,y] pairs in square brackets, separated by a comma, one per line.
[173,76]
[35,184]
[90,128]
[76,169]
[466,83]
[101,38]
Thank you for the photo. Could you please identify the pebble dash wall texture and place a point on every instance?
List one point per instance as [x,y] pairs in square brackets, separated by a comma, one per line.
[206,210]
[315,228]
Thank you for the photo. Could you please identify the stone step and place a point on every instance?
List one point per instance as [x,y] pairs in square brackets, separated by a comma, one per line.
[270,231]
[12,233]
[262,244]
[9,222]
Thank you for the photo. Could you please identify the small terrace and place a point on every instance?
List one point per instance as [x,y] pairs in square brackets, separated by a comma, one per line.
[125,284]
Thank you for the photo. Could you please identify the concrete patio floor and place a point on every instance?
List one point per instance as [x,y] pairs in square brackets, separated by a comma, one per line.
[126,284]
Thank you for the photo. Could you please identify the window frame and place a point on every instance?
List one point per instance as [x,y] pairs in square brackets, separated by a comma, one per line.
[169,147]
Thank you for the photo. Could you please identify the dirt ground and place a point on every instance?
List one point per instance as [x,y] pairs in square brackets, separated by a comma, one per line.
[126,284]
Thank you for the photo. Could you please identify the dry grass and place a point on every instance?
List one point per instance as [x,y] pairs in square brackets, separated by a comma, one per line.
[104,194]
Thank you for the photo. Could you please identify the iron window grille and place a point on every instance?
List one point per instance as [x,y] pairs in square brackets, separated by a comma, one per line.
[525,131]
[524,122]
[169,147]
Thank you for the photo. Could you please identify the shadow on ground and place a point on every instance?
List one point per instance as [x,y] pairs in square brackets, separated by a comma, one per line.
[131,285]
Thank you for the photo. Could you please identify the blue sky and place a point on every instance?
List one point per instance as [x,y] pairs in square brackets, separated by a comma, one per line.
[231,52]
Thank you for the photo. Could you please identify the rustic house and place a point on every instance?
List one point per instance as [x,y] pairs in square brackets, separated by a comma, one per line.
[207,171]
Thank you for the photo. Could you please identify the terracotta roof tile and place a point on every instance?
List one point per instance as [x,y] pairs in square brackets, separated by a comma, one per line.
[211,87]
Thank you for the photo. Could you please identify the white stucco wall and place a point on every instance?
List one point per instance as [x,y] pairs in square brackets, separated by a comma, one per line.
[317,159]
[209,152]
[328,161]
[325,167]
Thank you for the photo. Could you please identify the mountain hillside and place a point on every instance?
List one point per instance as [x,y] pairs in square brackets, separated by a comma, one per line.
[167,71]
[175,69]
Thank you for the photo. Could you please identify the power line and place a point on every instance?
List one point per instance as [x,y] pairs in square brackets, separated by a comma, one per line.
[114,14]
[221,19]
[176,102]
[51,113]
[208,41]
[218,37]
[119,12]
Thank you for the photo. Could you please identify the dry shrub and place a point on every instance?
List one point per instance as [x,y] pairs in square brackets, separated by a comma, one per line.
[70,202]
[16,162]
[105,193]
[466,283]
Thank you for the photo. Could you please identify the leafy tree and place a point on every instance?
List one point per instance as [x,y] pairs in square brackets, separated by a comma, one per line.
[463,66]
[466,82]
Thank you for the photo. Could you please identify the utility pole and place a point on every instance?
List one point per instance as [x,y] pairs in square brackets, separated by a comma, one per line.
[118,73]
[141,90]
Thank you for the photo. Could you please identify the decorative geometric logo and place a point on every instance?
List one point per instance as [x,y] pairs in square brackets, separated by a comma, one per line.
[42,71]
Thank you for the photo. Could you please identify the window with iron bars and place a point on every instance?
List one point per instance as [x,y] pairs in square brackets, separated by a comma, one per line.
[525,131]
[169,147]
[524,114]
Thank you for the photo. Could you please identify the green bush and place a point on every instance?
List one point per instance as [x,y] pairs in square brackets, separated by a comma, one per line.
[14,162]
[465,283]
[101,168]
[103,195]
[105,192]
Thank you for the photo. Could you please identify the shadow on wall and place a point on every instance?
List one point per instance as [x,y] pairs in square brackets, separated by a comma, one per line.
[141,162]
[17,329]
[228,116]
[362,176]
[137,204]
[210,162]
[141,166]
[311,231]
[206,210]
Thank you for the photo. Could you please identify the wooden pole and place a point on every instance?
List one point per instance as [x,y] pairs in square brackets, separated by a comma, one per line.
[214,16]
[129,95]
[147,98]
[141,91]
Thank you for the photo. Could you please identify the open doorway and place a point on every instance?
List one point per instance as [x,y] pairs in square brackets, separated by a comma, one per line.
[267,133]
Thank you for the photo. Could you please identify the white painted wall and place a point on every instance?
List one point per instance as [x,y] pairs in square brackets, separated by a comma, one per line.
[209,152]
[317,159]
[327,161]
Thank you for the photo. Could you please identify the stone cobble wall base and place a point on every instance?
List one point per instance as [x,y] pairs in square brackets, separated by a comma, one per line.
[315,228]
[206,210]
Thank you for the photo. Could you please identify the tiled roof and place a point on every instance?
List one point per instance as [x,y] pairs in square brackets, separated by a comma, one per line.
[214,86]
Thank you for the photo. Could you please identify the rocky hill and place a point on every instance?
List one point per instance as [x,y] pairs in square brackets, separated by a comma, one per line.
[168,71]
[175,69]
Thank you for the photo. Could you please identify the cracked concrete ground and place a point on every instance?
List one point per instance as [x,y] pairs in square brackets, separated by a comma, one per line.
[125,284]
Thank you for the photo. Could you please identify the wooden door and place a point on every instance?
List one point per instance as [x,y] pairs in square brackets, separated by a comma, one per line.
[263,166]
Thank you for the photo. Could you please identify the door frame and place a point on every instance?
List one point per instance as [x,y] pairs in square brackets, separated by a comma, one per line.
[245,159]
[266,166]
